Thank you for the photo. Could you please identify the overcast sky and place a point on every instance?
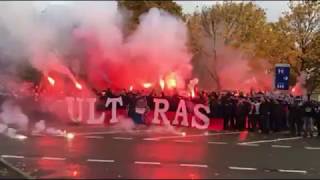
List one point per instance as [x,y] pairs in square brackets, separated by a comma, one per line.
[273,9]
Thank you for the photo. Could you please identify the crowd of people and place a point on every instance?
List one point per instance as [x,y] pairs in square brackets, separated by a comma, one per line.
[255,112]
[262,112]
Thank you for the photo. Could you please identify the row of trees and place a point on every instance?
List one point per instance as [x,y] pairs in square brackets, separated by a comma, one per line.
[293,39]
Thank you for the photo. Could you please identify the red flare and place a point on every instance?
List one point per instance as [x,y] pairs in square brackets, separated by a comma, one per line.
[171,83]
[162,83]
[192,93]
[51,81]
[147,85]
[171,80]
[78,86]
[130,88]
[75,173]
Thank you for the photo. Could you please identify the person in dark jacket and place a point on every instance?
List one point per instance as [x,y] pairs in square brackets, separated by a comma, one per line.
[241,114]
[295,121]
[251,115]
[308,114]
[265,115]
[227,115]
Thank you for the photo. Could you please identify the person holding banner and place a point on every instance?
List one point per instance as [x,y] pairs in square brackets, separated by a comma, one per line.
[141,109]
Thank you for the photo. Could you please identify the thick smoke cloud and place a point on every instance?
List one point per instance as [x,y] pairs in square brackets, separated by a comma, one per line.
[95,40]
[234,67]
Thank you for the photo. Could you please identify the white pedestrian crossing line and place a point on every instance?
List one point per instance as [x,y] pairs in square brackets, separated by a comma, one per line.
[147,163]
[54,158]
[247,144]
[217,142]
[273,140]
[194,135]
[98,133]
[194,165]
[292,171]
[12,156]
[183,141]
[312,148]
[242,168]
[101,160]
[123,138]
[280,146]
[94,137]
[150,139]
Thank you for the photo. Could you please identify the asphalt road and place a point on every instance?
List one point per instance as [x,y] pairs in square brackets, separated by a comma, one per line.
[98,152]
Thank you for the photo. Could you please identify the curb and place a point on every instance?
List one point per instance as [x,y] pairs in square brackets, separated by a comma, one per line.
[25,175]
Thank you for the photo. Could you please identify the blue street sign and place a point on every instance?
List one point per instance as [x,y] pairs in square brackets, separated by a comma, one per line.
[282,76]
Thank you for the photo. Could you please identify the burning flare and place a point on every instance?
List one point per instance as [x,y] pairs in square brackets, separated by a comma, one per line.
[51,81]
[78,85]
[192,85]
[192,93]
[171,81]
[131,88]
[162,83]
[69,136]
[147,85]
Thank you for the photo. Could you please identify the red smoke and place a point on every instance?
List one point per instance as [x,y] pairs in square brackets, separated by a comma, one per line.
[157,48]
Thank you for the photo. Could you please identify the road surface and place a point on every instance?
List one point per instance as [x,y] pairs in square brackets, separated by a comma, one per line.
[99,152]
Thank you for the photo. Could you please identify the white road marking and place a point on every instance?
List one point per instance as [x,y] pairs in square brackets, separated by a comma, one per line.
[194,165]
[98,133]
[183,141]
[194,135]
[123,138]
[150,139]
[247,144]
[94,137]
[217,143]
[292,171]
[12,156]
[147,163]
[280,146]
[242,168]
[312,148]
[53,158]
[109,132]
[37,134]
[273,140]
[101,160]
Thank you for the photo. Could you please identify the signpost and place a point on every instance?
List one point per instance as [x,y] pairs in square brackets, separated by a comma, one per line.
[282,74]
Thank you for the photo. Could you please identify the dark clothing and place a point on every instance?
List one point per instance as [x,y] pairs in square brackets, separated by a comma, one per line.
[265,116]
[295,119]
[308,110]
[228,122]
[241,114]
